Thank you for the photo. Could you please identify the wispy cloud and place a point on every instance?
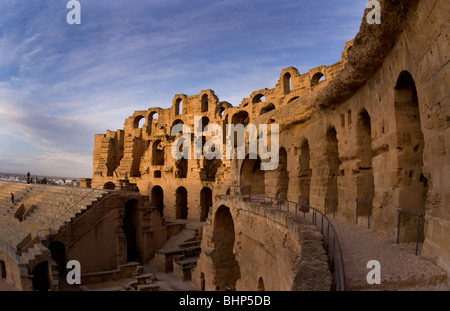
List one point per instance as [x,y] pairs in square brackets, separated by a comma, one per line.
[61,84]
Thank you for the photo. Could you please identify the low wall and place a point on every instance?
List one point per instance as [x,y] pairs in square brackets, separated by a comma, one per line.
[274,250]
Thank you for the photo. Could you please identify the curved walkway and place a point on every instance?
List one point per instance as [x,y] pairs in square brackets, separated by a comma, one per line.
[401,269]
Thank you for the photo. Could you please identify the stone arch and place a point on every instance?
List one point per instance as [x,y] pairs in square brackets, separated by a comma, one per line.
[109,185]
[181,202]
[267,108]
[205,203]
[333,162]
[139,122]
[252,175]
[317,78]
[130,225]
[305,173]
[181,168]
[157,197]
[205,103]
[209,169]
[177,121]
[41,277]
[153,115]
[2,270]
[282,175]
[240,117]
[226,268]
[413,187]
[261,286]
[178,108]
[157,153]
[58,253]
[258,98]
[365,182]
[287,83]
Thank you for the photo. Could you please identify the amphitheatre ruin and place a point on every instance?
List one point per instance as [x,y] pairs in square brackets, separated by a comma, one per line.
[364,160]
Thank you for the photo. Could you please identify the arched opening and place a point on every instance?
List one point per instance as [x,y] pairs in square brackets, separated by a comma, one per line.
[258,98]
[157,197]
[181,168]
[317,78]
[129,227]
[202,282]
[282,175]
[205,103]
[287,83]
[41,277]
[58,253]
[178,106]
[240,117]
[332,154]
[305,173]
[181,201]
[413,187]
[261,287]
[139,122]
[204,123]
[2,270]
[177,121]
[227,270]
[365,183]
[152,116]
[109,186]
[209,169]
[221,110]
[139,148]
[252,175]
[157,153]
[157,174]
[267,108]
[205,203]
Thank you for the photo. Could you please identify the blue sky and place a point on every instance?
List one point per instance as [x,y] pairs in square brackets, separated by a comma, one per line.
[61,84]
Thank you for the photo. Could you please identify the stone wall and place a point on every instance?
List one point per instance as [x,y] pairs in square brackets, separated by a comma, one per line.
[374,131]
[262,237]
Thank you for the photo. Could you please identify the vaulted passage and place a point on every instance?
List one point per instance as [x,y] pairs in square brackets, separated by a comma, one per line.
[205,203]
[58,252]
[181,203]
[158,199]
[41,279]
[227,270]
[282,175]
[333,161]
[252,175]
[2,269]
[365,180]
[130,224]
[413,186]
[305,173]
[157,153]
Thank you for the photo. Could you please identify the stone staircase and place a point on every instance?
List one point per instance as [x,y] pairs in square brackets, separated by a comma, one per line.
[180,253]
[38,211]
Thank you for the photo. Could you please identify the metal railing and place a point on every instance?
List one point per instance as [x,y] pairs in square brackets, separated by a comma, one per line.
[369,210]
[320,220]
[419,216]
[333,204]
[70,208]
